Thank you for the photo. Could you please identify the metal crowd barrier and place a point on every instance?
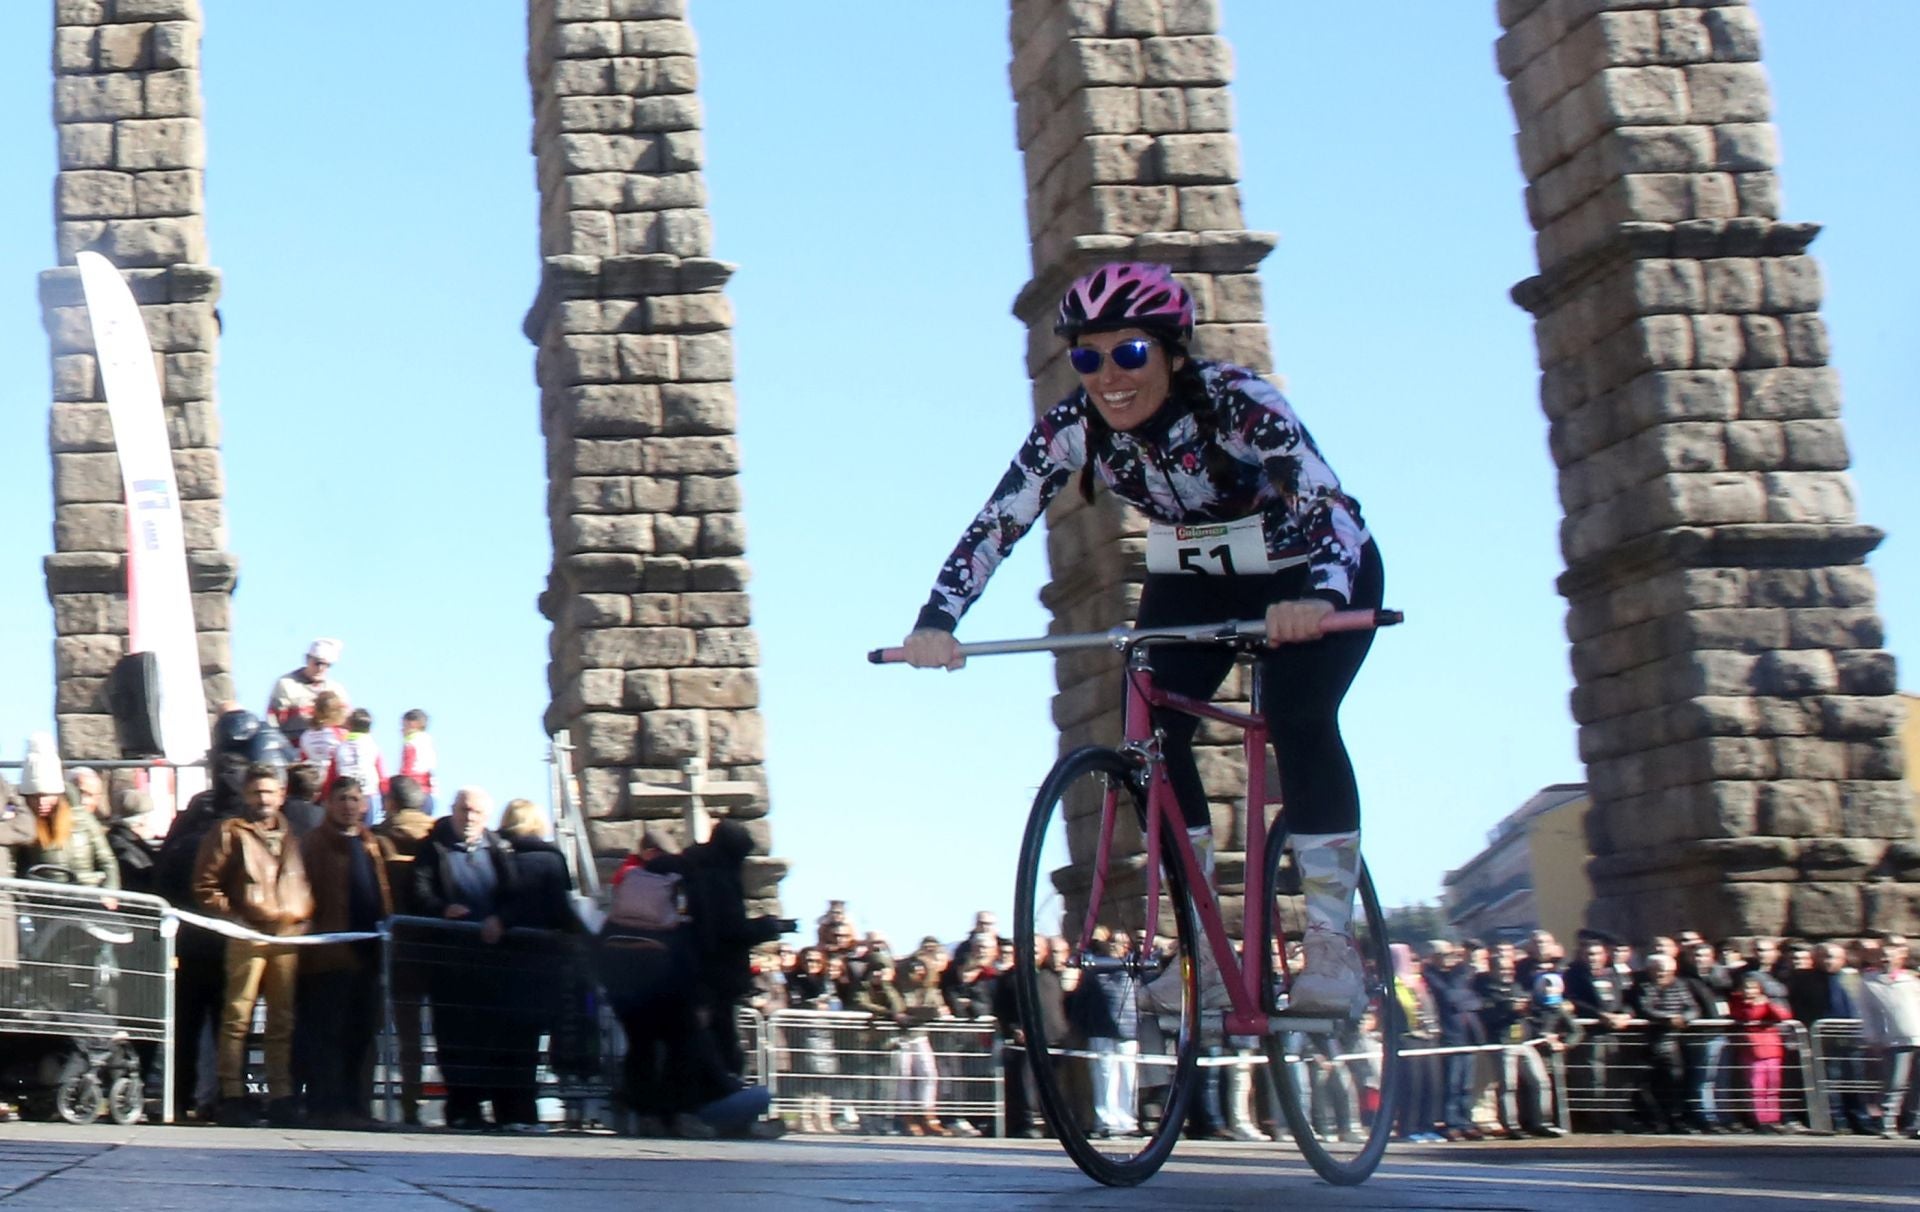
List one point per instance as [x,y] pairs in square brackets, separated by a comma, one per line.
[947,1068]
[1610,1075]
[86,996]
[1845,1070]
[511,1022]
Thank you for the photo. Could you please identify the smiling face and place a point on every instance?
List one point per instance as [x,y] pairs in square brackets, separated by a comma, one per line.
[1127,398]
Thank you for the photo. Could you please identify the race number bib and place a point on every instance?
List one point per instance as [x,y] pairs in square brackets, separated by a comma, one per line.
[1237,548]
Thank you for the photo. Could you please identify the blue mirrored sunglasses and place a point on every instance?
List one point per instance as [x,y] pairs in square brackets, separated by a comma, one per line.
[1128,355]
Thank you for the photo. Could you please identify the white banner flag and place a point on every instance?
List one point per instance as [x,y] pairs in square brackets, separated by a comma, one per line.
[159,601]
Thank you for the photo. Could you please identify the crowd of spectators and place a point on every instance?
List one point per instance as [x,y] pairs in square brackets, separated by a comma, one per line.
[1679,1036]
[303,832]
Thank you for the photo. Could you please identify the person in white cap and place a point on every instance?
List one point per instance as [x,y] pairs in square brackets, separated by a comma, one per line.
[64,837]
[292,703]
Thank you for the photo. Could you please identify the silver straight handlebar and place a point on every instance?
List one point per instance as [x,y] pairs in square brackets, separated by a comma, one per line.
[1120,637]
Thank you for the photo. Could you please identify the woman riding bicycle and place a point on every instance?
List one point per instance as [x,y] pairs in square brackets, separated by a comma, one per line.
[1189,441]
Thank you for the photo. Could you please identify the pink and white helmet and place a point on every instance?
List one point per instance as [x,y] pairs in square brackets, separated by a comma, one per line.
[1126,294]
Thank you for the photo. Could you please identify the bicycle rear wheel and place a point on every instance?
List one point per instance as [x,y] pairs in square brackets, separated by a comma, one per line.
[1338,1081]
[1110,1006]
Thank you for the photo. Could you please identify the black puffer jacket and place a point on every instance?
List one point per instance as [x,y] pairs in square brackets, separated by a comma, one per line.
[543,887]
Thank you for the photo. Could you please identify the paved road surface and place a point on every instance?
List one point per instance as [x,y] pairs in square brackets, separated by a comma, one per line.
[154,1169]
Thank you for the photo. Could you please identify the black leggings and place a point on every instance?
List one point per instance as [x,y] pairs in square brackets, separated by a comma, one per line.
[1304,684]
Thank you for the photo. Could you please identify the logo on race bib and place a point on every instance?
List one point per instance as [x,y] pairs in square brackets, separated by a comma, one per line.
[1188,534]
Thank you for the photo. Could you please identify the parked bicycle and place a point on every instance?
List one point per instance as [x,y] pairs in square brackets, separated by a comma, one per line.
[1147,955]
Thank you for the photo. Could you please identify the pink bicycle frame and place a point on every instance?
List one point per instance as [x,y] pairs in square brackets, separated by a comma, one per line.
[1240,974]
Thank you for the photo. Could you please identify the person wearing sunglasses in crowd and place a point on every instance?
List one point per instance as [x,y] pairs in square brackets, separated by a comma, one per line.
[1206,446]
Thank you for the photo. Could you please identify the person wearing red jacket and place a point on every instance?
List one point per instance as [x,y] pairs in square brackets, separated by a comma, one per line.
[1761,1048]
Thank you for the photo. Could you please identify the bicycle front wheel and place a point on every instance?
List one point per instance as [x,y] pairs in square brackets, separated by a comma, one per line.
[1338,1081]
[1106,981]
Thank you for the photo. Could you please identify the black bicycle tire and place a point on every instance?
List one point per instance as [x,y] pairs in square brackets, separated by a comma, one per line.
[1356,1170]
[1096,1165]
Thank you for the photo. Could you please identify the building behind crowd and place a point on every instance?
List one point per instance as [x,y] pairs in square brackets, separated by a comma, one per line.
[1533,873]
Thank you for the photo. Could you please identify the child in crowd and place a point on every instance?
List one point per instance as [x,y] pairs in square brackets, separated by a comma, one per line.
[1761,1049]
[357,756]
[324,732]
[418,757]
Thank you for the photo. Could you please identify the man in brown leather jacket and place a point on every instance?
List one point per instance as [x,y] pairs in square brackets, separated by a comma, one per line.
[249,871]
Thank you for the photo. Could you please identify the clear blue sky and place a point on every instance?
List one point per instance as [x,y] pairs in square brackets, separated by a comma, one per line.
[372,205]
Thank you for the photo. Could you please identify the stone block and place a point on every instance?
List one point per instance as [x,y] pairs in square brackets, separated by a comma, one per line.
[1755,445]
[723,534]
[159,143]
[678,535]
[738,737]
[726,647]
[688,313]
[692,455]
[608,115]
[1798,808]
[1892,908]
[1876,808]
[662,191]
[715,610]
[1814,445]
[173,94]
[1796,672]
[1789,393]
[671,735]
[1809,496]
[1851,585]
[613,410]
[587,359]
[727,688]
[1860,717]
[666,573]
[1807,343]
[1790,284]
[638,647]
[90,527]
[1733,285]
[1763,342]
[1726,92]
[706,357]
[1192,60]
[1818,910]
[656,39]
[649,10]
[698,408]
[606,738]
[727,574]
[645,689]
[1866,671]
[646,358]
[176,44]
[679,111]
[157,194]
[686,233]
[87,655]
[94,195]
[86,145]
[635,232]
[1877,758]
[98,98]
[1635,96]
[652,494]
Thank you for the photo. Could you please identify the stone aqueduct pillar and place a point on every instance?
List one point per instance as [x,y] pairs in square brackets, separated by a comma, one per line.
[1126,126]
[653,658]
[1736,707]
[132,155]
